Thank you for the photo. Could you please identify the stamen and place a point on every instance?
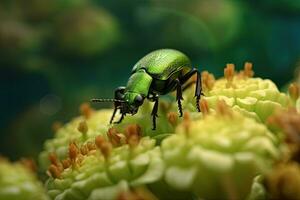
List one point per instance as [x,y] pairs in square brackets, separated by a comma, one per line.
[83,128]
[248,72]
[204,107]
[229,73]
[173,118]
[86,110]
[208,80]
[56,126]
[294,91]
[104,146]
[223,109]
[133,134]
[54,171]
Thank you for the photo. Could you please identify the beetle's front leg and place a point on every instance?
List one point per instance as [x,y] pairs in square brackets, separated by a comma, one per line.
[120,120]
[113,115]
[154,112]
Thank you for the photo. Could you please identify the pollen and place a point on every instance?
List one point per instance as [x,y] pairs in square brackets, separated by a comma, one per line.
[186,122]
[116,138]
[56,126]
[208,80]
[229,72]
[223,109]
[133,134]
[83,128]
[104,146]
[86,110]
[204,107]
[53,159]
[73,152]
[29,164]
[84,150]
[248,72]
[54,171]
[66,163]
[172,118]
[294,91]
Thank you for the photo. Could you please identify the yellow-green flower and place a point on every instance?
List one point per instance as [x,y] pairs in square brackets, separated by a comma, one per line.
[254,97]
[17,182]
[104,172]
[222,152]
[80,129]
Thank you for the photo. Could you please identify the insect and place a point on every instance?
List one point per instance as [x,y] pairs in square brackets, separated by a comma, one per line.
[158,73]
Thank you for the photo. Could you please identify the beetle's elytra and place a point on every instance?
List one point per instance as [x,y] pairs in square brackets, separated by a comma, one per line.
[157,73]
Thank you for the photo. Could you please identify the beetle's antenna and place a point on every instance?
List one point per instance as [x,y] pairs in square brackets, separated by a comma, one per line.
[106,100]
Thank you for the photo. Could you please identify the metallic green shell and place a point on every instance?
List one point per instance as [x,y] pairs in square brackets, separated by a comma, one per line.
[161,64]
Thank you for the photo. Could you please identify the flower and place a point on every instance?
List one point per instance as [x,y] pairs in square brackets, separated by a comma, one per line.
[19,182]
[222,152]
[103,171]
[254,97]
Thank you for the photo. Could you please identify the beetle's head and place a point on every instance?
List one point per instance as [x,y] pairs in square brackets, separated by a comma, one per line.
[132,102]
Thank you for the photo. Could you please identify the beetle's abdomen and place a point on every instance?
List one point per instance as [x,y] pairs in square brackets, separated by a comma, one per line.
[162,64]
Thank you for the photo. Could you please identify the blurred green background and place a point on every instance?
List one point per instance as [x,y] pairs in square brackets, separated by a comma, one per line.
[56,54]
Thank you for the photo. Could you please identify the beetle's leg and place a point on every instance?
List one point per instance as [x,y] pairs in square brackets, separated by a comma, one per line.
[179,96]
[113,115]
[154,112]
[198,91]
[121,119]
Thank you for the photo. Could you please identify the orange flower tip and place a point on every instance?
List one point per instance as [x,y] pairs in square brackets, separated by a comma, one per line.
[172,118]
[164,107]
[91,146]
[208,80]
[223,109]
[54,171]
[136,194]
[53,158]
[104,146]
[83,128]
[114,137]
[133,141]
[229,72]
[84,150]
[56,126]
[86,110]
[29,163]
[106,149]
[248,72]
[133,130]
[99,141]
[294,91]
[186,122]
[204,107]
[289,122]
[66,163]
[186,117]
[73,151]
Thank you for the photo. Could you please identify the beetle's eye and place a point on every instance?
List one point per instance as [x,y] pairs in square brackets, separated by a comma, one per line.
[138,100]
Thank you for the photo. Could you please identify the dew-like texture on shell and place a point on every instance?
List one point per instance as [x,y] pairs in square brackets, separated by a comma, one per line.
[97,177]
[218,153]
[254,97]
[17,182]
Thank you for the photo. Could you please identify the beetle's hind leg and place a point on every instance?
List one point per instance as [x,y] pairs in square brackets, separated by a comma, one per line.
[198,91]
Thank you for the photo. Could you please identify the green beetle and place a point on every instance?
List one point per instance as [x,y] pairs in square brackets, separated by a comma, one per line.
[157,73]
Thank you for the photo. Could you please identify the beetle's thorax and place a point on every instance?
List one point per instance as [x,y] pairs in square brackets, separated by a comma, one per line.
[139,83]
